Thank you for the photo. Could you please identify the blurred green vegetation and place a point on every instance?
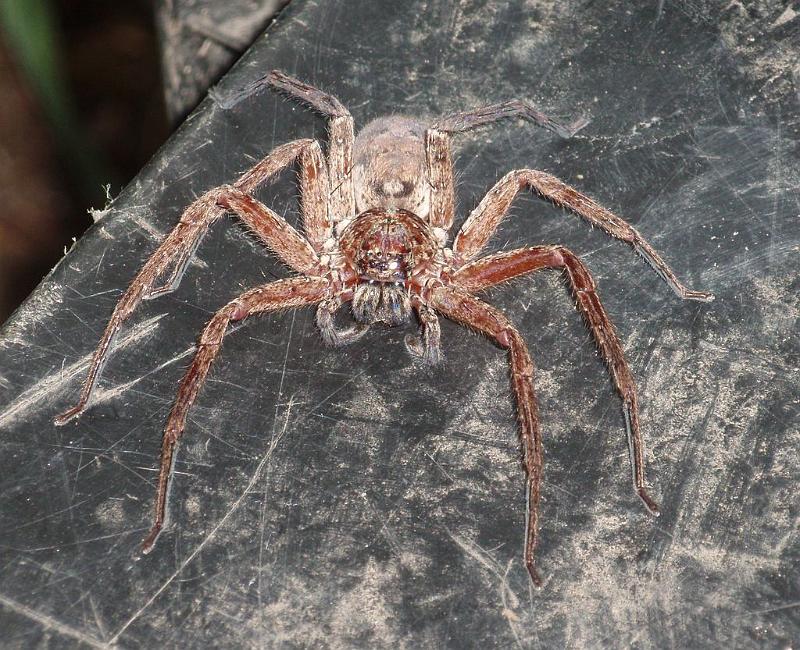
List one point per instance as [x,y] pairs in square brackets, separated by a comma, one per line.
[30,29]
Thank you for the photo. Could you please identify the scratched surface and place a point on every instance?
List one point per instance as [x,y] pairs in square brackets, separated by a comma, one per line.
[341,498]
[200,40]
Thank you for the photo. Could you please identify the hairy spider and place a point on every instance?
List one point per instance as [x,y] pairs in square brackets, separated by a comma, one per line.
[376,212]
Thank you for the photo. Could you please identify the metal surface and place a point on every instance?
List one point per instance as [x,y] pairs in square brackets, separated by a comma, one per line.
[351,497]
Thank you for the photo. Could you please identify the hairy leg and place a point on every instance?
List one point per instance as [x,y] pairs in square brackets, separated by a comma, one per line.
[340,131]
[331,334]
[274,231]
[484,219]
[313,189]
[340,139]
[440,157]
[283,294]
[502,267]
[468,310]
[426,345]
[197,218]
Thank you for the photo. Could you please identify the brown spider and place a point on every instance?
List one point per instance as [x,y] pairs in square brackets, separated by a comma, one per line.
[376,216]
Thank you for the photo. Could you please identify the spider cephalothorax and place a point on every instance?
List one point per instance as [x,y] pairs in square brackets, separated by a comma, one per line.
[376,213]
[384,264]
[390,252]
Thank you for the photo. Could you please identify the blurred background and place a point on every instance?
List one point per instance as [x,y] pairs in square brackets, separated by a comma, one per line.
[81,109]
[89,89]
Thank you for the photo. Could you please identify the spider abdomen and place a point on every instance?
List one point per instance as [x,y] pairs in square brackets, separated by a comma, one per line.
[389,166]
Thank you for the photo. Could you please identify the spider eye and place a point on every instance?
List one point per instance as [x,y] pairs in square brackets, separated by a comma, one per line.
[384,267]
[384,254]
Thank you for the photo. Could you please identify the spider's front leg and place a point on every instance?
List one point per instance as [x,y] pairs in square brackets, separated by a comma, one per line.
[341,199]
[283,294]
[460,306]
[340,133]
[340,139]
[505,266]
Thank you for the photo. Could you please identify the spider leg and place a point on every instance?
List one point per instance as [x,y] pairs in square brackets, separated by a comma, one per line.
[484,219]
[331,334]
[313,191]
[283,294]
[340,138]
[426,345]
[440,158]
[172,279]
[468,120]
[314,186]
[502,267]
[274,231]
[468,310]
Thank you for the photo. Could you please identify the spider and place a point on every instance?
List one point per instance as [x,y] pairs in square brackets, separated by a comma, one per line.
[376,212]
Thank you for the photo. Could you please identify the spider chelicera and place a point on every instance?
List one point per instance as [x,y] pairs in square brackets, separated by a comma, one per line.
[376,213]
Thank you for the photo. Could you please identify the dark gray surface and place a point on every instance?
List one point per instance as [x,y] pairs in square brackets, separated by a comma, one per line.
[201,40]
[352,498]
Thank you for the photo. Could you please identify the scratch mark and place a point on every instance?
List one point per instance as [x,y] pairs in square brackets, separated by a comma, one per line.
[340,388]
[148,227]
[263,515]
[386,532]
[659,11]
[52,384]
[777,608]
[49,623]
[101,395]
[97,618]
[273,442]
[773,218]
[233,509]
[439,465]
[51,515]
[77,542]
[508,598]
